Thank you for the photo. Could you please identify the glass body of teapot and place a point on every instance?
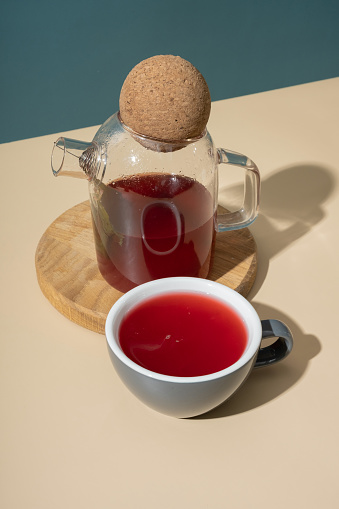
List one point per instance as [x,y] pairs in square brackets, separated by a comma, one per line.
[154,202]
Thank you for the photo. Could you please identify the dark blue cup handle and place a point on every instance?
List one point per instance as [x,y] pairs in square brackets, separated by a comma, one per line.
[280,348]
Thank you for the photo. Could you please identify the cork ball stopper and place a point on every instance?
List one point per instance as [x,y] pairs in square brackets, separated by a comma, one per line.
[165,97]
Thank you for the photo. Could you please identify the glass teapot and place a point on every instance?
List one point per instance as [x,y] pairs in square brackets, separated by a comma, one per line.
[154,202]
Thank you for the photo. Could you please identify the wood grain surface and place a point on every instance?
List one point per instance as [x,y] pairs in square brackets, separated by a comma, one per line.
[69,277]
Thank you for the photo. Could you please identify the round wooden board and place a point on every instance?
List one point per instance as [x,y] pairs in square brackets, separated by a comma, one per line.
[69,277]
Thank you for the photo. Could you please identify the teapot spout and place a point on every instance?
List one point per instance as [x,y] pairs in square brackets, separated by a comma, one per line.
[78,159]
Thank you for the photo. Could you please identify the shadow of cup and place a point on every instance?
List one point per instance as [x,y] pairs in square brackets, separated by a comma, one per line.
[268,383]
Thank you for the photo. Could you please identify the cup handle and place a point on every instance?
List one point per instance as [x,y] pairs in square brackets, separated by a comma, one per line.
[278,350]
[249,210]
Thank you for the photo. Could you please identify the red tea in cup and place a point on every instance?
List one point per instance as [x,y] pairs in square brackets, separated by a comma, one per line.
[184,345]
[183,334]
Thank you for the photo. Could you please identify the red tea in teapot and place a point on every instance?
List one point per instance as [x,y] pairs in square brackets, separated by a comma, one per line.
[150,226]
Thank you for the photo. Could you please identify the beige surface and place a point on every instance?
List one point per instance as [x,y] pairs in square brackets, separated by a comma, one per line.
[73,437]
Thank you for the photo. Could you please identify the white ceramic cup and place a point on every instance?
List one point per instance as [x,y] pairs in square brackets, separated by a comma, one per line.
[191,396]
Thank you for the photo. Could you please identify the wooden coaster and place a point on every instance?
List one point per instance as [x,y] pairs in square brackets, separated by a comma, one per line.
[69,277]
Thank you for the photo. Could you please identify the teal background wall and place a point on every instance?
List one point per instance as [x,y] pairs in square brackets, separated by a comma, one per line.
[63,62]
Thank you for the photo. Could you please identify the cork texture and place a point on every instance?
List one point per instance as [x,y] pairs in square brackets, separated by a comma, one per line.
[165,97]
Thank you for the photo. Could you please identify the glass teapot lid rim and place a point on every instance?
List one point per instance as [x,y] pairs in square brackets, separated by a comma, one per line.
[183,142]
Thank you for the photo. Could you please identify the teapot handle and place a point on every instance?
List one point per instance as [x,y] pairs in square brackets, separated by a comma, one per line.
[249,210]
